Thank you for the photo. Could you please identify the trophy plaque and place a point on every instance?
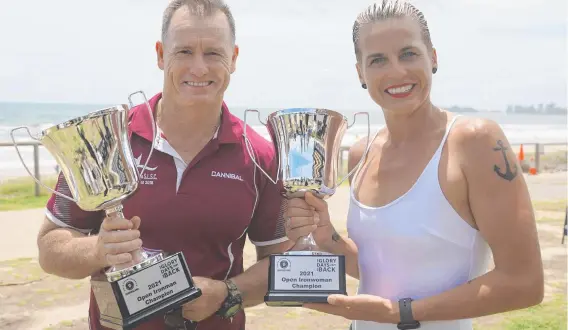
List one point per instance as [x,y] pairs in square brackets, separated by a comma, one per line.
[95,157]
[307,142]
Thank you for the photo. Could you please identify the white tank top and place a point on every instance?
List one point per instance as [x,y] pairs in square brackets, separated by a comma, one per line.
[416,246]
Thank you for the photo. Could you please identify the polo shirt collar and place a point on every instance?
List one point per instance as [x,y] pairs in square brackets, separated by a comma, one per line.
[230,131]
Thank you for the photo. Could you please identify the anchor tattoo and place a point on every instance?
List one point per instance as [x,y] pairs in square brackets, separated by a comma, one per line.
[509,175]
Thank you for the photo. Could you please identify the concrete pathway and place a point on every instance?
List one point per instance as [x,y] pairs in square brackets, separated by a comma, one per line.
[18,233]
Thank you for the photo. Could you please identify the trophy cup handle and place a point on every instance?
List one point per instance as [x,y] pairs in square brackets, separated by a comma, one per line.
[368,141]
[154,128]
[249,147]
[26,167]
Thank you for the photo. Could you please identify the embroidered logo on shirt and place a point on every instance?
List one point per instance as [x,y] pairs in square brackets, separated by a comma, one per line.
[139,164]
[224,175]
[147,178]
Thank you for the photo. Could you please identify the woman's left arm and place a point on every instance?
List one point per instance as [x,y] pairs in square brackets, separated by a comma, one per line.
[501,206]
[500,203]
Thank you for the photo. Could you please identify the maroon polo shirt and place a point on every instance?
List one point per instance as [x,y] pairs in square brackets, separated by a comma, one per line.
[205,209]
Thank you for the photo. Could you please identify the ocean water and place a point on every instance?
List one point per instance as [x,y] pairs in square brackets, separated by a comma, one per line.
[519,128]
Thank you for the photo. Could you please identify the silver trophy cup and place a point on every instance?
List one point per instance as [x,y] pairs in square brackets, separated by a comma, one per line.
[95,157]
[308,143]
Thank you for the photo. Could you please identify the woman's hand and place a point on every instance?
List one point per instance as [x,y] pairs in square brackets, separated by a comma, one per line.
[360,307]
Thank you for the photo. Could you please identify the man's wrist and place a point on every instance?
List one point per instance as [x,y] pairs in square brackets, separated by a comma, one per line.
[223,292]
[97,258]
[232,302]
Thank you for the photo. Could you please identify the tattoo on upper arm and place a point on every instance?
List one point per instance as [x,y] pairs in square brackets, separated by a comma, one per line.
[510,171]
[335,236]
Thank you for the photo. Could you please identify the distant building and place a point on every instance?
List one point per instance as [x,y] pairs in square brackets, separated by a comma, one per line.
[460,109]
[541,109]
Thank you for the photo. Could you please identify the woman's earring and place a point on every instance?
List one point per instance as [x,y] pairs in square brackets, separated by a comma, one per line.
[434,69]
[364,86]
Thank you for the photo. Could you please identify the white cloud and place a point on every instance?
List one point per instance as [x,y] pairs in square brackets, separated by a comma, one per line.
[492,52]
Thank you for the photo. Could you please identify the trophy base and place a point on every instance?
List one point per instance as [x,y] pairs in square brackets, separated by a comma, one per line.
[299,277]
[131,322]
[141,295]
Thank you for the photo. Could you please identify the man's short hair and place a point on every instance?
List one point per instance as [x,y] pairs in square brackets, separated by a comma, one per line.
[202,8]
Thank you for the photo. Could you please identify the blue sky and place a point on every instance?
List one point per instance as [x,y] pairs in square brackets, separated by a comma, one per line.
[294,53]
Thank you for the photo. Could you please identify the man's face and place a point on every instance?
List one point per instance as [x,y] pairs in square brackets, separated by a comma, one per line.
[198,57]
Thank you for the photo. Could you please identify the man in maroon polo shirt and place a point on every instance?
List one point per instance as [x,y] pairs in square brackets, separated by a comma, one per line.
[201,192]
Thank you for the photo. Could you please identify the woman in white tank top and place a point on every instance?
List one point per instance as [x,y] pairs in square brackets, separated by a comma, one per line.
[435,196]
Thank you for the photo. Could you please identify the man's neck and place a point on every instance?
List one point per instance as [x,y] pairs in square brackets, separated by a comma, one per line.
[188,124]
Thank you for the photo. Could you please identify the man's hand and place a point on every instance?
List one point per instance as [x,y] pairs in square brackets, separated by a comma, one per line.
[119,242]
[360,307]
[308,215]
[213,294]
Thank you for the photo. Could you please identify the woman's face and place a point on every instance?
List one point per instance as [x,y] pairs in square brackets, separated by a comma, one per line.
[395,64]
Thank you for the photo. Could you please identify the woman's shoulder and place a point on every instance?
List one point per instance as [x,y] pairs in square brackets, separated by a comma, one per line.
[469,130]
[479,142]
[358,149]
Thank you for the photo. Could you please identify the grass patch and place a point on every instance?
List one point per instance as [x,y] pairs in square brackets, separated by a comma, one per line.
[549,219]
[65,324]
[560,155]
[550,316]
[16,262]
[550,160]
[19,271]
[557,205]
[19,194]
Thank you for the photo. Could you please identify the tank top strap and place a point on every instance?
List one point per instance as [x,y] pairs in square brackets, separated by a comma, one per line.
[362,161]
[436,154]
[448,129]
